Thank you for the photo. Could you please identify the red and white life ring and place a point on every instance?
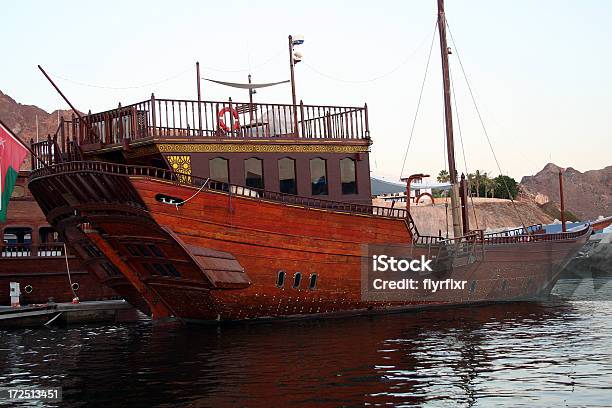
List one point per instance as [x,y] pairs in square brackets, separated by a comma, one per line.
[221,116]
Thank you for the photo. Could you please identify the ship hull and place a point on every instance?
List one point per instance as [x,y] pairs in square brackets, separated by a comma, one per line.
[228,250]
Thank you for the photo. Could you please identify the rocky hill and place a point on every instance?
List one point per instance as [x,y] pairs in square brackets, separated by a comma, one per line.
[588,194]
[22,118]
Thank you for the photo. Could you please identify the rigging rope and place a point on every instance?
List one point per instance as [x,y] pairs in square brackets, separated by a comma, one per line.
[69,277]
[461,141]
[484,128]
[416,113]
[170,78]
[373,79]
[194,194]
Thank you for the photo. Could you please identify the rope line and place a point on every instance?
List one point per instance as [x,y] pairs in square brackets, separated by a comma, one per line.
[172,77]
[416,113]
[117,88]
[373,79]
[68,270]
[194,194]
[485,129]
[467,172]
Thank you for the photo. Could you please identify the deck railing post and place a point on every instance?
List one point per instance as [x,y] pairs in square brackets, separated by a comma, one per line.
[199,100]
[367,123]
[302,118]
[231,116]
[153,118]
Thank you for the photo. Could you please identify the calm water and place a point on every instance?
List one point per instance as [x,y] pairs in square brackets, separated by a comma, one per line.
[558,353]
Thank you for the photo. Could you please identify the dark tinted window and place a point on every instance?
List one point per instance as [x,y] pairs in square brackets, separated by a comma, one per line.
[318,176]
[286,176]
[219,170]
[17,235]
[280,280]
[313,282]
[297,279]
[253,173]
[348,176]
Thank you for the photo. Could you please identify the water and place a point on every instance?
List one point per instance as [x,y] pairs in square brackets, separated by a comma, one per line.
[555,353]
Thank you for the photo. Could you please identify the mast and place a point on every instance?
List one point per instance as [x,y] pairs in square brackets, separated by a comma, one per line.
[448,115]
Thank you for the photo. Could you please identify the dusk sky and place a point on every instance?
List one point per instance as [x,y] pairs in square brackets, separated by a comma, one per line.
[540,70]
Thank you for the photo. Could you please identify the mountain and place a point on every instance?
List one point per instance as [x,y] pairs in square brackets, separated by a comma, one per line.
[21,119]
[380,186]
[588,194]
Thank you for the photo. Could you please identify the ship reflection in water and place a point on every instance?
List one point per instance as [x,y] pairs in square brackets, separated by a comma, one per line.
[511,354]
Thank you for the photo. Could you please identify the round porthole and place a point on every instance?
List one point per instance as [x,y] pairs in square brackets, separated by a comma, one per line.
[28,289]
[75,286]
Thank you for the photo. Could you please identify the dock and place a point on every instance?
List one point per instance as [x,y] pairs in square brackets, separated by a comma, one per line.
[67,313]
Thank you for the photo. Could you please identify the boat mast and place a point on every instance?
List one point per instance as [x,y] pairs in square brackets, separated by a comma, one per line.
[448,115]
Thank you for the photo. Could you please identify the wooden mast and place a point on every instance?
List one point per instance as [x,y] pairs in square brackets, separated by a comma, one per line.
[448,115]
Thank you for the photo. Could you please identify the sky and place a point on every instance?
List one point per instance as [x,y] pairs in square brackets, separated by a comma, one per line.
[539,70]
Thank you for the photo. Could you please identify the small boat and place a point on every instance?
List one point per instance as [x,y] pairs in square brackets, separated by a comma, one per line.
[223,211]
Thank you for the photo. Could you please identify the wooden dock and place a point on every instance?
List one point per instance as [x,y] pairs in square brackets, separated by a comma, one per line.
[67,313]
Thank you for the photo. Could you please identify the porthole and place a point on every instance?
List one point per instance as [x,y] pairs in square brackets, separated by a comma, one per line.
[28,289]
[312,284]
[297,279]
[473,287]
[75,286]
[280,280]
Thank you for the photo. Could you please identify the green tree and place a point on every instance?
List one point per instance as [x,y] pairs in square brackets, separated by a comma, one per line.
[505,185]
[443,176]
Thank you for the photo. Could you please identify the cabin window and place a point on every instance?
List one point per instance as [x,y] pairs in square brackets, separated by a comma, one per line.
[318,176]
[312,284]
[348,176]
[219,170]
[297,279]
[253,173]
[48,235]
[286,176]
[280,279]
[17,235]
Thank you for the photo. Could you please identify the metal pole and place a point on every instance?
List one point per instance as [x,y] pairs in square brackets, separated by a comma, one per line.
[562,199]
[448,115]
[293,97]
[199,98]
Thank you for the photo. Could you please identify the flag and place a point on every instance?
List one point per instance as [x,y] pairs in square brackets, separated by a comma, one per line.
[12,154]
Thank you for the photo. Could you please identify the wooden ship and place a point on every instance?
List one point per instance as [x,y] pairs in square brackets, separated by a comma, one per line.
[222,211]
[32,255]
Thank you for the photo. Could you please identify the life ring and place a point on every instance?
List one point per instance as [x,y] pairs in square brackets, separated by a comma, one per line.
[221,115]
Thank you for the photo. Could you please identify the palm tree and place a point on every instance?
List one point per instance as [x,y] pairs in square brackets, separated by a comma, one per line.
[443,176]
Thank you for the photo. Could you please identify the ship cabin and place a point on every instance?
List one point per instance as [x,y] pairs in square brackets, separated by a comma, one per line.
[305,150]
[26,232]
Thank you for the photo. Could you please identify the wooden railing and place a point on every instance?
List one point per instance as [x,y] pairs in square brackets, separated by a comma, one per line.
[221,119]
[158,173]
[55,249]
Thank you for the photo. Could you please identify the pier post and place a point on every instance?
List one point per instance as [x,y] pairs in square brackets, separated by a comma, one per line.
[562,201]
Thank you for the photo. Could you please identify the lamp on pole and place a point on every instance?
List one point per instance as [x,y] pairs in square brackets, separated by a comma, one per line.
[294,58]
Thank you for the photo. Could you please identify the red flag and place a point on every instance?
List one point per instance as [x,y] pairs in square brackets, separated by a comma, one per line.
[12,155]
